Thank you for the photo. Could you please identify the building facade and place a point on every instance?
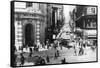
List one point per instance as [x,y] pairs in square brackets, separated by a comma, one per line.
[36,23]
[30,23]
[54,21]
[86,19]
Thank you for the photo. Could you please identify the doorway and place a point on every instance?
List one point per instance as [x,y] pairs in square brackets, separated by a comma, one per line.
[29,35]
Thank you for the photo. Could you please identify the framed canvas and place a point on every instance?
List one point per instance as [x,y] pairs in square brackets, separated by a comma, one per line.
[53,33]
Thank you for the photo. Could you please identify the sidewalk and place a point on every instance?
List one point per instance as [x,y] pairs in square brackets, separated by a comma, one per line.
[66,53]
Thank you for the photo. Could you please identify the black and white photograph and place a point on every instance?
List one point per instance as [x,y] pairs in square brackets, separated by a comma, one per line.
[53,33]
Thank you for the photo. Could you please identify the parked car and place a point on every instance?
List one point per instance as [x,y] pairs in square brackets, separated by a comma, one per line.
[38,60]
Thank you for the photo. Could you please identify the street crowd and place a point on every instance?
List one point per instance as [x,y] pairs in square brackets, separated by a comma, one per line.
[78,44]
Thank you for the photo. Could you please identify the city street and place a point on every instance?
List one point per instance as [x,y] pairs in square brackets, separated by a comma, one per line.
[66,53]
[53,34]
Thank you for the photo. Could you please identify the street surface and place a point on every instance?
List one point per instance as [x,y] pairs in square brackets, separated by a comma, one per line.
[68,54]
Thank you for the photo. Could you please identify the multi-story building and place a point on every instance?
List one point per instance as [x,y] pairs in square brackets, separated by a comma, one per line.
[30,23]
[86,19]
[36,22]
[54,20]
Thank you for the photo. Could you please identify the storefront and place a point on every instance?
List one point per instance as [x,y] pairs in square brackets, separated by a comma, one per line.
[88,23]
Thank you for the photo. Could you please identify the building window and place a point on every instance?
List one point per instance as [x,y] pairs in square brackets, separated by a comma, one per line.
[90,24]
[93,10]
[35,6]
[28,4]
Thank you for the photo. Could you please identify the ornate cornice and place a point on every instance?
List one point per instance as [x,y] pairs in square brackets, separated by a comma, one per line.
[29,15]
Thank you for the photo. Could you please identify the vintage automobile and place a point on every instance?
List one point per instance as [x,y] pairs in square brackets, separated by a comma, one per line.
[65,43]
[38,60]
[66,40]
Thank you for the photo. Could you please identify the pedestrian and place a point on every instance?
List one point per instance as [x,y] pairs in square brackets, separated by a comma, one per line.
[57,53]
[22,47]
[81,51]
[63,61]
[74,50]
[27,47]
[55,44]
[43,45]
[30,49]
[22,59]
[60,44]
[55,57]
[47,58]
[42,62]
[47,44]
[30,55]
[76,47]
[35,46]
[61,47]
[15,59]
